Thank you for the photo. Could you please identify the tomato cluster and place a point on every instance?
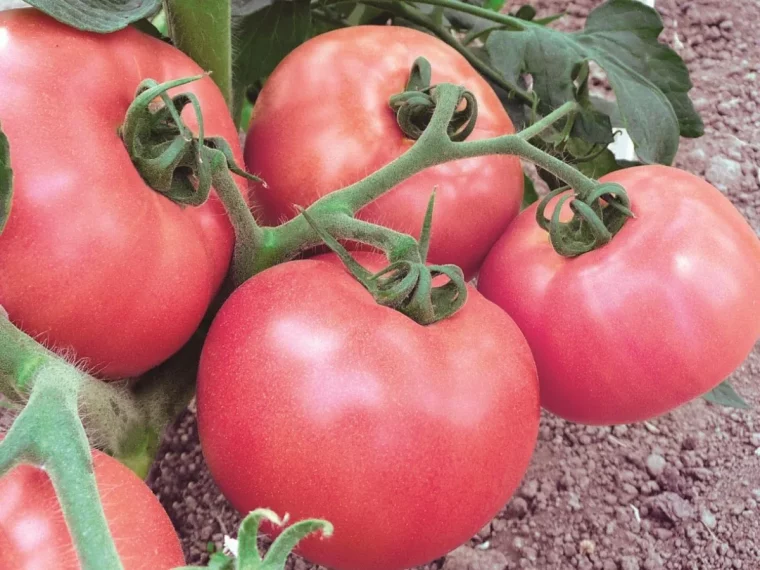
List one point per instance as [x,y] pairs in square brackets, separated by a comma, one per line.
[313,399]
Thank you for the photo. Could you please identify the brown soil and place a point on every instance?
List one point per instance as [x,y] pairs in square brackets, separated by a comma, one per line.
[680,492]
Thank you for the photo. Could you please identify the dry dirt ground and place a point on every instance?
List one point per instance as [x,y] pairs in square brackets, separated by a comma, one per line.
[677,493]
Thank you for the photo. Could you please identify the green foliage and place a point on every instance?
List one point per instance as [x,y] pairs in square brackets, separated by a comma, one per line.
[726,395]
[529,195]
[650,80]
[263,34]
[96,15]
[6,180]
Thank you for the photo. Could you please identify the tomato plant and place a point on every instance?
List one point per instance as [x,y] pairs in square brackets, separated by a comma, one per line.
[395,401]
[33,533]
[93,259]
[658,316]
[316,401]
[337,127]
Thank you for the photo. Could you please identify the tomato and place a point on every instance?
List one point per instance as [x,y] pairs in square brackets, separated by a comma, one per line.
[322,122]
[658,316]
[33,533]
[92,258]
[315,401]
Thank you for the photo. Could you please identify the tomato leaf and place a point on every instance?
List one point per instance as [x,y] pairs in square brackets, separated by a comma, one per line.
[725,395]
[529,195]
[263,37]
[6,180]
[96,15]
[651,82]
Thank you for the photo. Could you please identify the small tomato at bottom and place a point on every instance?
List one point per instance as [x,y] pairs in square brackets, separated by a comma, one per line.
[658,316]
[315,401]
[33,533]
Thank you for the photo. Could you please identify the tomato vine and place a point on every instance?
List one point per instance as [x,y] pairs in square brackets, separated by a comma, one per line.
[564,132]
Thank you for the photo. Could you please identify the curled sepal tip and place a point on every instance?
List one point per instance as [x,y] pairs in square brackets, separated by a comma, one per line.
[415,105]
[6,181]
[597,217]
[248,556]
[407,285]
[170,158]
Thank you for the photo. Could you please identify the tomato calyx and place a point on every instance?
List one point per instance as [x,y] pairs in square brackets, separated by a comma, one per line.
[184,167]
[597,216]
[246,548]
[415,105]
[407,285]
[170,158]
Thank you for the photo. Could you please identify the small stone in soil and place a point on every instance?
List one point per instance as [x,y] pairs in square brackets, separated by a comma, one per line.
[655,465]
[723,173]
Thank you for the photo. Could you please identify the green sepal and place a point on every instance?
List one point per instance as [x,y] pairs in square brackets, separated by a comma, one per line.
[6,181]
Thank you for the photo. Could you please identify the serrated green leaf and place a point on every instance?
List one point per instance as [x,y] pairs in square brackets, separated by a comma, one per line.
[6,180]
[529,195]
[725,395]
[650,80]
[263,38]
[97,15]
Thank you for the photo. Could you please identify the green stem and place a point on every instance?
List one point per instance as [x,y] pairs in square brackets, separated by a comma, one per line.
[540,126]
[417,17]
[299,237]
[504,19]
[249,236]
[48,433]
[202,29]
[115,419]
[433,147]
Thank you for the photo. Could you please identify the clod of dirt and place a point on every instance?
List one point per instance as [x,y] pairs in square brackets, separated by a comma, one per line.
[656,465]
[670,507]
[466,558]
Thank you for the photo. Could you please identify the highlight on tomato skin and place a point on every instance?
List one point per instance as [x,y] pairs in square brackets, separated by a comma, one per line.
[659,316]
[337,127]
[34,536]
[316,401]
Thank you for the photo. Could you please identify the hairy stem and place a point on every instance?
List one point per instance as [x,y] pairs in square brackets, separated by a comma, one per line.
[249,236]
[111,413]
[49,433]
[202,29]
[433,147]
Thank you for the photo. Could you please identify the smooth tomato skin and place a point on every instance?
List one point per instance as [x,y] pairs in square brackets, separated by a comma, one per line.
[660,315]
[322,122]
[34,535]
[93,259]
[315,401]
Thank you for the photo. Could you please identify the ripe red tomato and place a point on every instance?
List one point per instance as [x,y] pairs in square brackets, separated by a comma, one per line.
[33,533]
[315,401]
[323,122]
[92,258]
[660,315]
